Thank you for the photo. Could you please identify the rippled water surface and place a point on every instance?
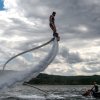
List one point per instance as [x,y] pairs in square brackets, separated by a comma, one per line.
[50,92]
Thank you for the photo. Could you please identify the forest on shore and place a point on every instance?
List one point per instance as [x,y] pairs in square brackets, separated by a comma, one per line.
[45,79]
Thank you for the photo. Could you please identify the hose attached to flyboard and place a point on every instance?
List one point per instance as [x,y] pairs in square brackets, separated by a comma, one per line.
[35,88]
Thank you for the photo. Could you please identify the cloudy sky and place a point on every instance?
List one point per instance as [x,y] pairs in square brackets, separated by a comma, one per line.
[26,22]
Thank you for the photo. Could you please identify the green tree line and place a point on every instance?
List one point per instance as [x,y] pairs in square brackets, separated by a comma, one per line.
[64,80]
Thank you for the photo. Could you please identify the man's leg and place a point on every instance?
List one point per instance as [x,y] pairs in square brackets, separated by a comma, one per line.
[55,34]
[53,28]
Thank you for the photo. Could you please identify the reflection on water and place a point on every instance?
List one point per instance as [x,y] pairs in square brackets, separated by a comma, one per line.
[52,92]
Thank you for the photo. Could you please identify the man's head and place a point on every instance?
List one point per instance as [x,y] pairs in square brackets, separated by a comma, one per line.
[53,13]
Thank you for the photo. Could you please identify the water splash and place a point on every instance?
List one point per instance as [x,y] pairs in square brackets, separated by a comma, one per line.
[9,78]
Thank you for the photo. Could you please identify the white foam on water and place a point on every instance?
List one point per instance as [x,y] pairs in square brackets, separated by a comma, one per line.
[25,97]
[53,96]
[9,78]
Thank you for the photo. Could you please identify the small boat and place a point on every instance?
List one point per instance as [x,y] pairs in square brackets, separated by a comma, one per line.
[96,94]
[91,93]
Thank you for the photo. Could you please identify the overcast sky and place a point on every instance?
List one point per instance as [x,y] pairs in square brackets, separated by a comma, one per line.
[23,22]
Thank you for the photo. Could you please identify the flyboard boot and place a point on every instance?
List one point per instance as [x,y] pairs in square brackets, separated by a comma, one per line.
[57,36]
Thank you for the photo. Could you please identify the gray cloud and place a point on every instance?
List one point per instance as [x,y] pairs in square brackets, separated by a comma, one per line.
[71,57]
[91,69]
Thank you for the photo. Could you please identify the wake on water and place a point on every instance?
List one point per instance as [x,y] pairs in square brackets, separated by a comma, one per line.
[9,78]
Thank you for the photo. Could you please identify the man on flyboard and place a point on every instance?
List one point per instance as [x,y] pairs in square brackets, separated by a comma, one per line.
[52,25]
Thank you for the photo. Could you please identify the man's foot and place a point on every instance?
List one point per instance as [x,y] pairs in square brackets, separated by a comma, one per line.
[57,36]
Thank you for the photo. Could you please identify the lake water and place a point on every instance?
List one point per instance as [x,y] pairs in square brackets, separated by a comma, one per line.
[50,92]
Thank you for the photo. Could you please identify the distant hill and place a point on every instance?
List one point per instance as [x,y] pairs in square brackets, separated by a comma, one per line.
[65,80]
